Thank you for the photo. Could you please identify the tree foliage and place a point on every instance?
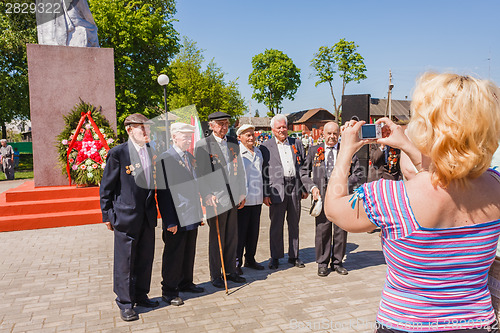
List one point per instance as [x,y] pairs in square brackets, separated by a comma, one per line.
[16,30]
[144,42]
[274,78]
[342,58]
[207,88]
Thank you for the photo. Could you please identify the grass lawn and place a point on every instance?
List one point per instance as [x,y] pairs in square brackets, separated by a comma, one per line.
[22,174]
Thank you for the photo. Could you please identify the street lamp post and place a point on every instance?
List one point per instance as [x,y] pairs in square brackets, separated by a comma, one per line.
[163,80]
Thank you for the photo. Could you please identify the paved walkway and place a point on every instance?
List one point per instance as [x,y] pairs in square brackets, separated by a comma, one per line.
[60,280]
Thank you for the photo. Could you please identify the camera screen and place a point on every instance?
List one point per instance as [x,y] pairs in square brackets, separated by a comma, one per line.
[368,131]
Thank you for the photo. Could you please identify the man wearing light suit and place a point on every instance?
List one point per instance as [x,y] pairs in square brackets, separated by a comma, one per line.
[320,163]
[222,187]
[179,203]
[129,208]
[283,190]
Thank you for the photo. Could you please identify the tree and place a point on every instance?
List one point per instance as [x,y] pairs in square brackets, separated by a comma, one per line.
[16,30]
[206,89]
[144,42]
[341,57]
[274,78]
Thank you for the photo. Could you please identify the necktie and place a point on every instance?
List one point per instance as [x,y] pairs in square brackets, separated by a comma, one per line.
[186,162]
[145,163]
[330,161]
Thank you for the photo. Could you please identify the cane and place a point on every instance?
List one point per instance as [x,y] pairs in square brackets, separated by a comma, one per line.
[220,247]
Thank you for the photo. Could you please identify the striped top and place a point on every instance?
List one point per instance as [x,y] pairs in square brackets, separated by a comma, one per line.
[436,278]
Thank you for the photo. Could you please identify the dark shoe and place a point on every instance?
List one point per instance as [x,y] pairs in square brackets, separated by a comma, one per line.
[341,270]
[239,271]
[254,265]
[128,314]
[296,262]
[236,278]
[273,263]
[323,271]
[147,303]
[218,283]
[173,300]
[193,289]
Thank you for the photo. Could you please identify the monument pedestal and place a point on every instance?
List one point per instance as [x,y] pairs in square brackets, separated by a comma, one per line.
[28,207]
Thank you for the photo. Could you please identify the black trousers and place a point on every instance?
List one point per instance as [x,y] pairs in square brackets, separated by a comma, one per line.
[228,228]
[291,207]
[178,261]
[133,262]
[248,233]
[329,245]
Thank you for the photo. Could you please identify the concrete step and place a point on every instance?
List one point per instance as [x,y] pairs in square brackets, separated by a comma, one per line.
[50,220]
[49,206]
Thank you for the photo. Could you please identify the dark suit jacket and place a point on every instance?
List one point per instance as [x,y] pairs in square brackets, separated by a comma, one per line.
[318,172]
[272,169]
[212,166]
[123,202]
[177,191]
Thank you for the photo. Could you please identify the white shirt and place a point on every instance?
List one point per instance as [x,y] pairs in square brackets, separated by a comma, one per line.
[144,159]
[286,157]
[252,162]
[223,147]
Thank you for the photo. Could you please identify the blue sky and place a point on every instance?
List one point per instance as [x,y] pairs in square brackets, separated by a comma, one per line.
[407,37]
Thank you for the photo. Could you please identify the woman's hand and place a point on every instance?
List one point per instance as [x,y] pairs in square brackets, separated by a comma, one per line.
[392,135]
[351,142]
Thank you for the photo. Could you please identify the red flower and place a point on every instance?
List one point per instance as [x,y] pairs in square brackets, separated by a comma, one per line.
[321,150]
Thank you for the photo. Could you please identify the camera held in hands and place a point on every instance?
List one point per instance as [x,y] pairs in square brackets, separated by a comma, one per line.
[371,131]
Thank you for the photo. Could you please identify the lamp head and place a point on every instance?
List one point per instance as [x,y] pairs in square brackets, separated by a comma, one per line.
[163,80]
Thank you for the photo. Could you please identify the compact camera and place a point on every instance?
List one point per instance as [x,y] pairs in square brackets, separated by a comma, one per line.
[371,131]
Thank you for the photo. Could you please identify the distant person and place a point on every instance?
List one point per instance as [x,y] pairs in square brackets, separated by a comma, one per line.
[249,215]
[440,228]
[7,159]
[283,190]
[16,158]
[387,160]
[129,209]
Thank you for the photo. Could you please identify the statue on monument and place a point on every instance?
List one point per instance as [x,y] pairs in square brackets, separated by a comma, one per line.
[65,22]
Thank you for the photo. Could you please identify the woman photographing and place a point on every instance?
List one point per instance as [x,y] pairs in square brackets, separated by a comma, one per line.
[439,229]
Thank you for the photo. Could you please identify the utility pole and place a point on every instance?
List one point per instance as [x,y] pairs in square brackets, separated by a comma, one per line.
[389,109]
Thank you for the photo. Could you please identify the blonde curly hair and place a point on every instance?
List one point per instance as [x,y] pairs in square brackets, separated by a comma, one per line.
[456,122]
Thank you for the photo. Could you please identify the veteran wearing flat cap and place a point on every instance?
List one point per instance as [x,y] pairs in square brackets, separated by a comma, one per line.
[222,187]
[179,204]
[129,209]
[249,215]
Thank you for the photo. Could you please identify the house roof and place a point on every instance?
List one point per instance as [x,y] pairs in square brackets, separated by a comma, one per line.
[316,115]
[399,108]
[256,121]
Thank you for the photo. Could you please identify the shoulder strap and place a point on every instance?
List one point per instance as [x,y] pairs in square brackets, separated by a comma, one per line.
[495,174]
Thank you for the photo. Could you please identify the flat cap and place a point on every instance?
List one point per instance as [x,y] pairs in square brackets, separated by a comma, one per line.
[137,118]
[218,116]
[182,128]
[243,128]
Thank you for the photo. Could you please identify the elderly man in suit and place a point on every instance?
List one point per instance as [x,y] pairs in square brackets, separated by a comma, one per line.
[283,156]
[179,203]
[320,163]
[129,208]
[222,187]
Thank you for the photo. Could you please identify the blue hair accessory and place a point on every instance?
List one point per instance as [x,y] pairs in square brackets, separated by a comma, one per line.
[358,194]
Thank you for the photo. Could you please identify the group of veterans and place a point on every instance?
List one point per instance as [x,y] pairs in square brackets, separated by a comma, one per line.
[226,182]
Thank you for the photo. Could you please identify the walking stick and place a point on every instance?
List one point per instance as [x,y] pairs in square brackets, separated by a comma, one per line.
[220,247]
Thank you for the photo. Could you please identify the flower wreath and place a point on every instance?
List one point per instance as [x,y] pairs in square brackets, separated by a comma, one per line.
[82,154]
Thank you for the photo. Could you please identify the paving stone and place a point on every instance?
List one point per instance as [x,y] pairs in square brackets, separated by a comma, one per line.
[60,280]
